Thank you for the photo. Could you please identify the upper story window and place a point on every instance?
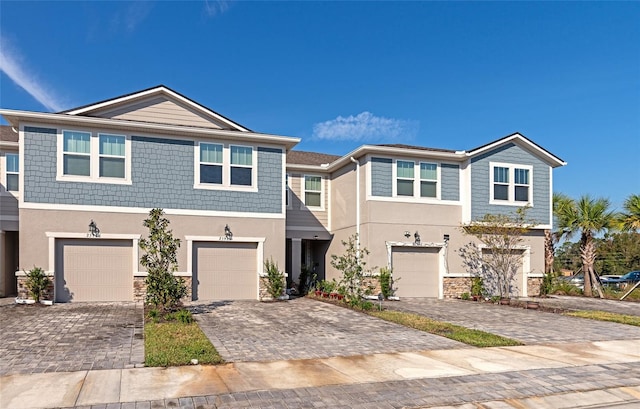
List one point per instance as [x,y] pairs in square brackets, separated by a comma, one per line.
[405,176]
[77,153]
[222,166]
[112,156]
[12,172]
[313,191]
[510,184]
[426,186]
[428,179]
[211,163]
[241,165]
[94,157]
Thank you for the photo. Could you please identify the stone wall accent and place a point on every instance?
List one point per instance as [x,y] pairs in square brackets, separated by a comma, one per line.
[533,286]
[263,293]
[140,288]
[454,287]
[23,292]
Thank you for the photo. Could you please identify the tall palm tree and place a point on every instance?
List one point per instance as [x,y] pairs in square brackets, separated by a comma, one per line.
[551,237]
[630,218]
[588,217]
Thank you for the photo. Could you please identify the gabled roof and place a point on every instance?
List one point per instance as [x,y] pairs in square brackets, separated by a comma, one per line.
[310,158]
[518,137]
[160,90]
[7,134]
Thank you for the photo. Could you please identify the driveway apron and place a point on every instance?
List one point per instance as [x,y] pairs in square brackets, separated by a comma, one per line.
[527,326]
[304,328]
[70,337]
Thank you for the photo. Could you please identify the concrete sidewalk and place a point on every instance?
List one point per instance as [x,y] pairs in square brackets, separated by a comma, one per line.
[87,388]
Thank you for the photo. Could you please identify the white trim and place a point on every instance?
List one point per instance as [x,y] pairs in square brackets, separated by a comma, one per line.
[511,185]
[160,91]
[259,252]
[303,188]
[441,258]
[94,158]
[226,168]
[49,120]
[142,210]
[465,191]
[329,204]
[53,236]
[287,192]
[408,199]
[551,158]
[550,198]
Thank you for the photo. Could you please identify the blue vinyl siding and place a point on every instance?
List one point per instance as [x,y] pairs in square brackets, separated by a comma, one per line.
[162,173]
[450,175]
[481,183]
[381,177]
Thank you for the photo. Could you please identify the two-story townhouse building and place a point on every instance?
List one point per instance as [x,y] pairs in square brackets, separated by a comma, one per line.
[407,205]
[112,161]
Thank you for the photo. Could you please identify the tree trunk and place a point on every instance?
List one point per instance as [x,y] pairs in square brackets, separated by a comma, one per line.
[548,252]
[586,249]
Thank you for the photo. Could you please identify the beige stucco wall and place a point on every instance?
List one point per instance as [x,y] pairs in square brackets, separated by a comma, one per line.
[34,246]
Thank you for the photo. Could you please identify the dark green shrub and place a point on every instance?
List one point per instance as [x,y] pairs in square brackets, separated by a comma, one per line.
[477,286]
[37,282]
[465,296]
[275,279]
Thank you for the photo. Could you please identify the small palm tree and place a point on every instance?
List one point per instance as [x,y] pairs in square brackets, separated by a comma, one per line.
[588,217]
[630,218]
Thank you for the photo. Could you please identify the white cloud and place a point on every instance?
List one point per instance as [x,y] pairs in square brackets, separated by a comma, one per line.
[215,7]
[129,18]
[13,67]
[365,127]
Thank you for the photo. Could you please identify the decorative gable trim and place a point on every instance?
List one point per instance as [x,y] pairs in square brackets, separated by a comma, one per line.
[525,142]
[160,90]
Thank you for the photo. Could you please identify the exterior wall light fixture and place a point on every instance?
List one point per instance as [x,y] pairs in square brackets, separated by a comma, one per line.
[416,236]
[227,232]
[94,231]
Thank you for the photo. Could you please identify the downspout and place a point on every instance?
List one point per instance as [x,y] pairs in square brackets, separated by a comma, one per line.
[357,206]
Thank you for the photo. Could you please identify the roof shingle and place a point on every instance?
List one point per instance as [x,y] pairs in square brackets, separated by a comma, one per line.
[7,134]
[310,158]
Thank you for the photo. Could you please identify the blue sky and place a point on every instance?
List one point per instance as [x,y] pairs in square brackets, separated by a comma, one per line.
[340,74]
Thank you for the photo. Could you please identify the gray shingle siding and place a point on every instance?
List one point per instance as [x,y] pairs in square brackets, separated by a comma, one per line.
[162,173]
[450,175]
[381,177]
[481,183]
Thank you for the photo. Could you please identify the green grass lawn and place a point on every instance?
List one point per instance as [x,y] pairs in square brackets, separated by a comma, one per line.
[468,336]
[175,343]
[606,316]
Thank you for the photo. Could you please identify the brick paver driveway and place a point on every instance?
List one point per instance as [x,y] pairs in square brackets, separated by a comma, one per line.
[70,337]
[304,328]
[527,326]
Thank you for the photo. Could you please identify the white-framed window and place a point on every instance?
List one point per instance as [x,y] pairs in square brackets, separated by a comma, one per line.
[112,156]
[241,165]
[12,173]
[76,150]
[98,157]
[313,191]
[511,184]
[404,178]
[211,163]
[416,180]
[428,179]
[225,166]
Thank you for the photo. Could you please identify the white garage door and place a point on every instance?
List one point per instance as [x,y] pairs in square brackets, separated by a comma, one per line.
[225,271]
[417,269]
[94,270]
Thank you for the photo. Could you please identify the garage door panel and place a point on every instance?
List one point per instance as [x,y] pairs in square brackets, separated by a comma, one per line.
[94,270]
[417,271]
[225,271]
